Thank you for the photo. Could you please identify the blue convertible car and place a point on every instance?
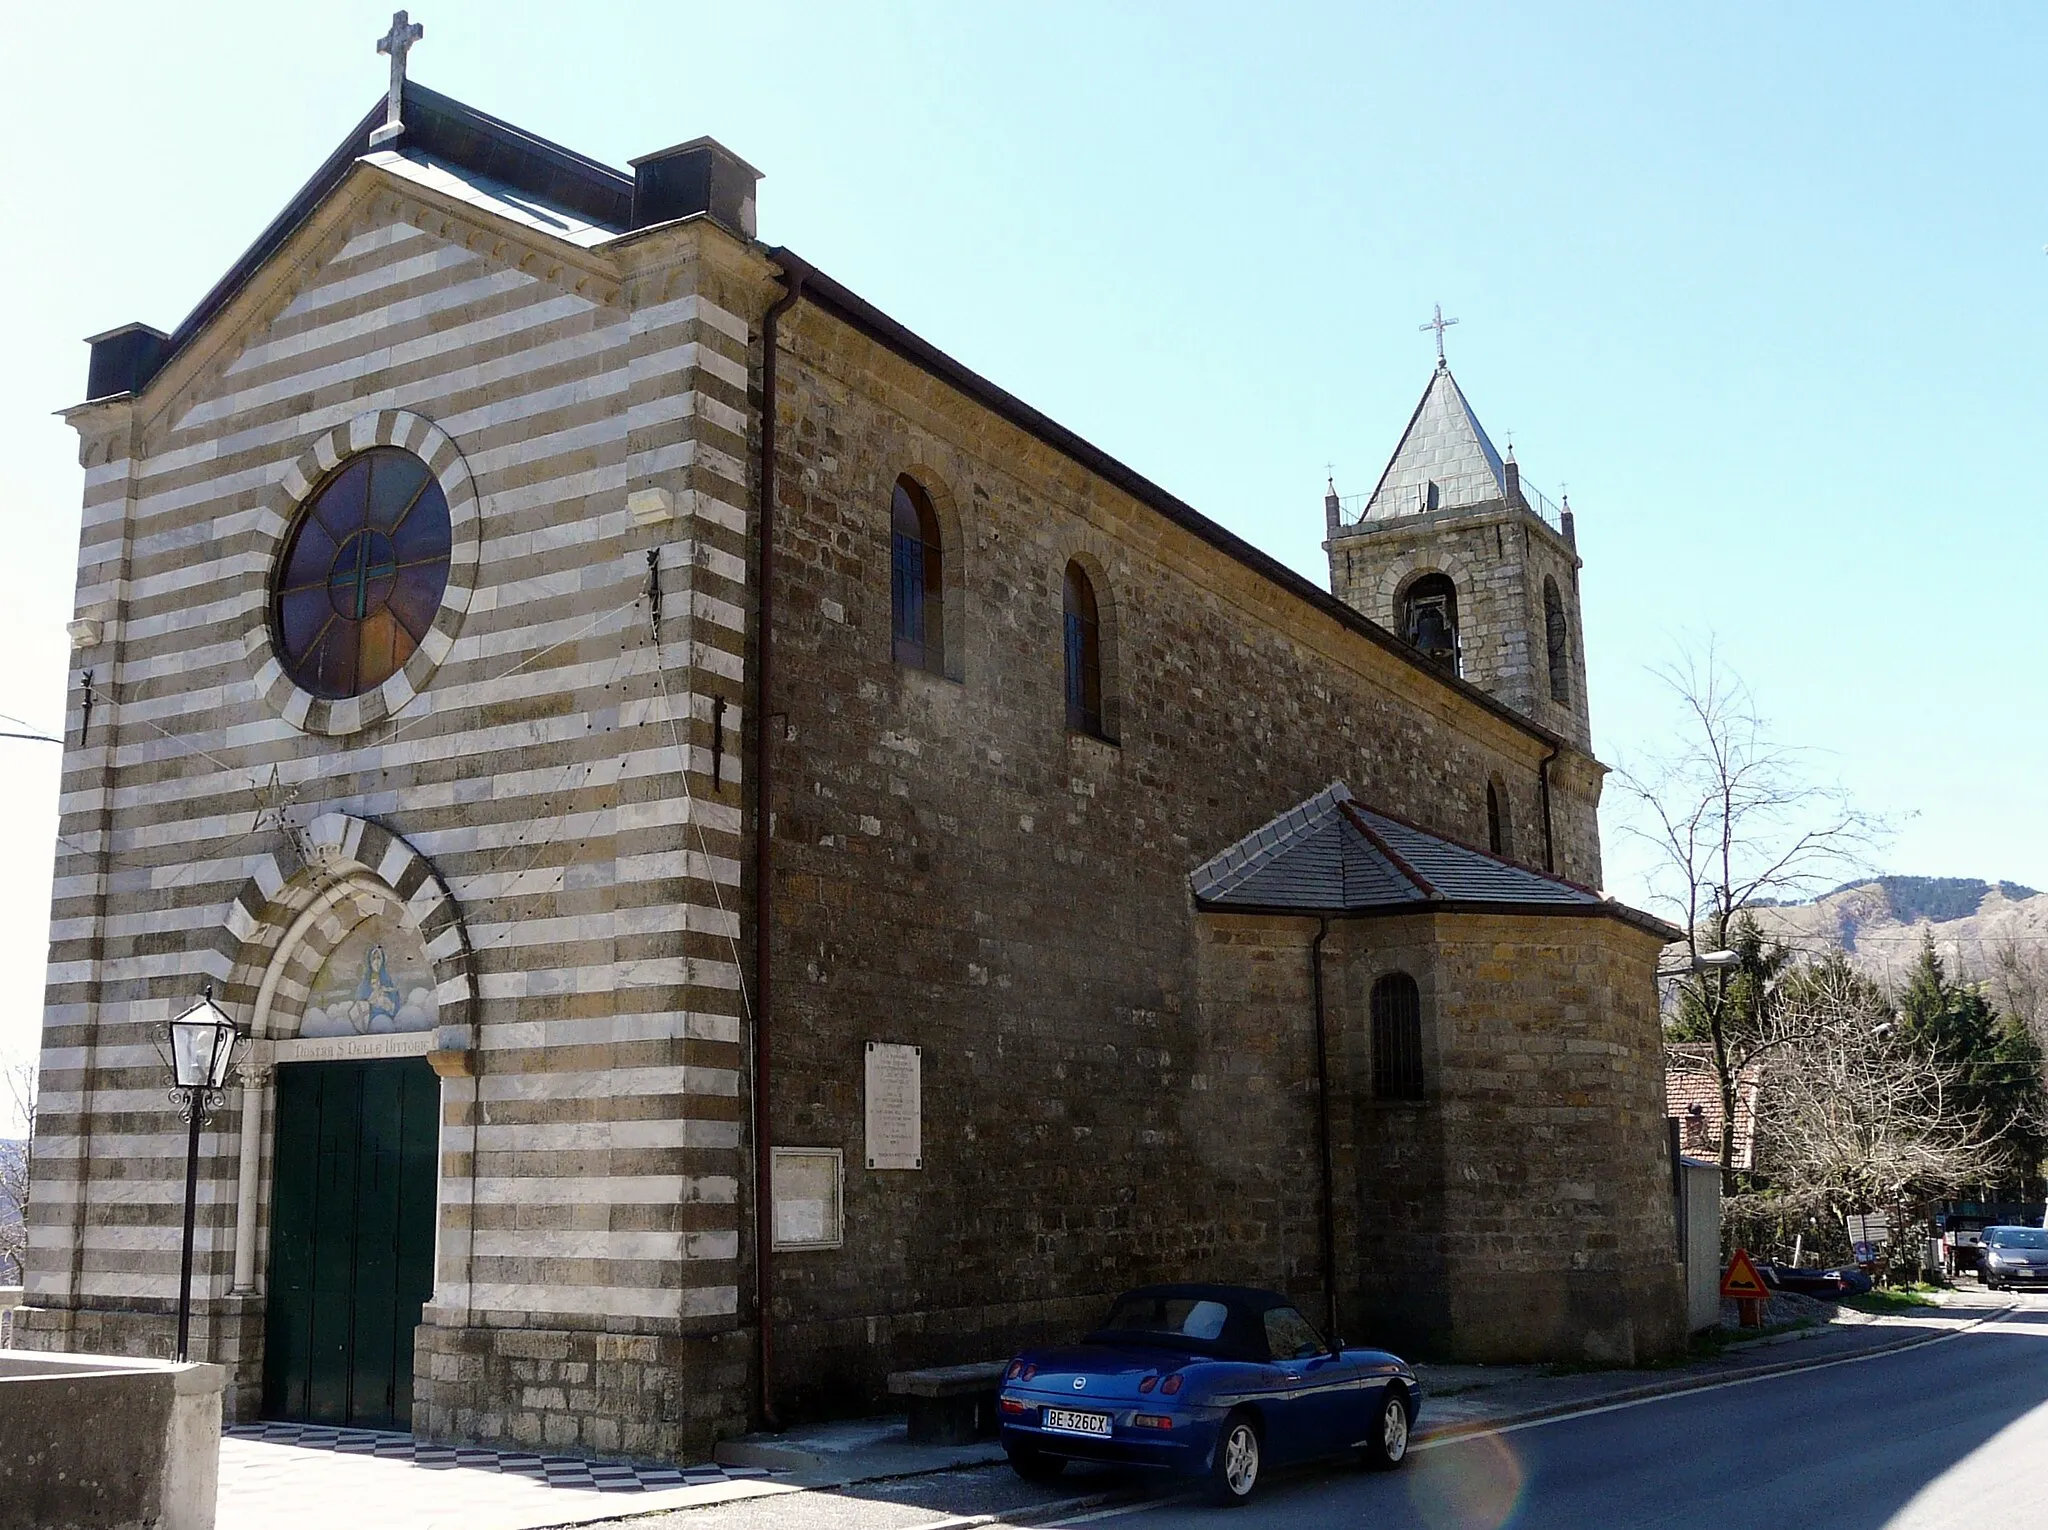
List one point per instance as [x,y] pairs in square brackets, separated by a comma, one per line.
[1211,1382]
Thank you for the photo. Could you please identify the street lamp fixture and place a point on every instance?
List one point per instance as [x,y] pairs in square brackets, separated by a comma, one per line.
[1704,961]
[201,1049]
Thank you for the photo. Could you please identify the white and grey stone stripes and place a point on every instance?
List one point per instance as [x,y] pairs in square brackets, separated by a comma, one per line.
[549,791]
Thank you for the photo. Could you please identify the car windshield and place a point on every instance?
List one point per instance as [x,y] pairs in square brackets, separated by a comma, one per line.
[2016,1237]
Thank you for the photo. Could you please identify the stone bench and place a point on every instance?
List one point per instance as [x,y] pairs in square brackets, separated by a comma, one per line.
[950,1404]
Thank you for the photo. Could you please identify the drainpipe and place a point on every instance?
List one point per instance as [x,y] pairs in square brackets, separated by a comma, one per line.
[1329,1207]
[1543,789]
[794,272]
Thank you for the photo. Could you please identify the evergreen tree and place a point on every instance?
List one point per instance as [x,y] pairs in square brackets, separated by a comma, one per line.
[1996,1059]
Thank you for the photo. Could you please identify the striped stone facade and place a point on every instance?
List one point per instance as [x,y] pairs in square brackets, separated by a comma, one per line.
[533,792]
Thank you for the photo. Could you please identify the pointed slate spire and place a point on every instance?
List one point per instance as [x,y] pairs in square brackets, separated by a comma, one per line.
[1444,460]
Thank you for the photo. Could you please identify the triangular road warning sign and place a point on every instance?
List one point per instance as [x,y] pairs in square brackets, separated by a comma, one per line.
[1742,1280]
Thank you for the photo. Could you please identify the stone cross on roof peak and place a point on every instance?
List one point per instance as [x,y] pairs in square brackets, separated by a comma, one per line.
[1439,324]
[397,43]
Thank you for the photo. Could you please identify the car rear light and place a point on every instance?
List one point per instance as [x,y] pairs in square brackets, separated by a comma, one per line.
[1170,1385]
[1151,1421]
[1014,1407]
[1148,1383]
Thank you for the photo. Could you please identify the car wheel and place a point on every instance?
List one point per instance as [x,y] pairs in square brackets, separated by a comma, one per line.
[1033,1464]
[1387,1446]
[1235,1471]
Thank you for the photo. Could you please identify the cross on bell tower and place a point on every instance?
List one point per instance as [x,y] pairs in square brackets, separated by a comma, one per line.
[397,43]
[1439,324]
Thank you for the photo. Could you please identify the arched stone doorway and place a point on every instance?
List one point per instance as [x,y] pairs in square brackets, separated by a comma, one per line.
[355,974]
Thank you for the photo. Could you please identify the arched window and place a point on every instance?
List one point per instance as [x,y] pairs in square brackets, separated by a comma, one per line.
[917,579]
[1429,617]
[1396,1038]
[1496,819]
[1083,630]
[1557,639]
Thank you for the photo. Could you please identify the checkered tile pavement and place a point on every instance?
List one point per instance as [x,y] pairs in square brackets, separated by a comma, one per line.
[554,1471]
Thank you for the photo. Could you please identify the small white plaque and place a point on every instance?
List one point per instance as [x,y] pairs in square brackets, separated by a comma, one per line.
[807,1201]
[649,507]
[895,1106]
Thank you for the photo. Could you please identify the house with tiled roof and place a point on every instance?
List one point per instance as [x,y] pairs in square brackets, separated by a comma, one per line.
[1692,1098]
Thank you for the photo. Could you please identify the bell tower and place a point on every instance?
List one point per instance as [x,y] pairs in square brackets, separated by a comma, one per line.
[1454,553]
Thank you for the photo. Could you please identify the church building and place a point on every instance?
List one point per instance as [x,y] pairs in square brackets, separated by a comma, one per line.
[749,858]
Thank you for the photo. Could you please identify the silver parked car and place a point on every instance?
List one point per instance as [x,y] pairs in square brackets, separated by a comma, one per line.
[2014,1256]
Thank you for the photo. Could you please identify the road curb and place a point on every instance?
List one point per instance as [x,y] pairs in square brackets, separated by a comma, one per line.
[1677,1384]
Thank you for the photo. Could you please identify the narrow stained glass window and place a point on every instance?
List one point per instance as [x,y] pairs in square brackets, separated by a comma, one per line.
[1084,654]
[362,574]
[1396,1038]
[917,579]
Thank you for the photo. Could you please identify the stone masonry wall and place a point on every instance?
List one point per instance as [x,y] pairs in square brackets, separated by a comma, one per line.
[1498,558]
[647,1396]
[590,1169]
[954,870]
[1559,1217]
[1521,1210]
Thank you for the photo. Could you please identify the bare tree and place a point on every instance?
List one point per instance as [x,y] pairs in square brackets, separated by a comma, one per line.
[20,1080]
[1733,818]
[1856,1117]
[2019,984]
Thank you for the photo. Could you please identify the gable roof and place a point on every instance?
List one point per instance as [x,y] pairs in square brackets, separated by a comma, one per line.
[460,146]
[1333,855]
[1445,446]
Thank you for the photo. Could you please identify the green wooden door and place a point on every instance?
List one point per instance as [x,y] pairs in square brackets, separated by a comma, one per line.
[351,1241]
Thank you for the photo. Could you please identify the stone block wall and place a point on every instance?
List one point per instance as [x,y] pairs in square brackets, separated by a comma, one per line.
[569,768]
[1560,1213]
[664,1397]
[956,871]
[1498,557]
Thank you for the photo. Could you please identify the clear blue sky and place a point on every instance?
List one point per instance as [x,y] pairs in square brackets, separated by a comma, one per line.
[1764,284]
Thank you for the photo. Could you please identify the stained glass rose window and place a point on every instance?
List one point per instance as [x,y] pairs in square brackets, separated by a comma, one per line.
[362,574]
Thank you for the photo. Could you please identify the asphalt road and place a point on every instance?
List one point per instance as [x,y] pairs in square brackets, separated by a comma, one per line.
[1951,1434]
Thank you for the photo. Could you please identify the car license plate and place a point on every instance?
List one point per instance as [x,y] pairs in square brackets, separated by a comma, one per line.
[1067,1421]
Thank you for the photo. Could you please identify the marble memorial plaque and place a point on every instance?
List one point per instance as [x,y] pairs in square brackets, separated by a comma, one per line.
[895,1106]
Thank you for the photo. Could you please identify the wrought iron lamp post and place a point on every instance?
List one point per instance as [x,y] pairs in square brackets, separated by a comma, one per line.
[202,1048]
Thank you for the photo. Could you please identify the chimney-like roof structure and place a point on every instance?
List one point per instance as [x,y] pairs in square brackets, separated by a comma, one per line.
[1444,461]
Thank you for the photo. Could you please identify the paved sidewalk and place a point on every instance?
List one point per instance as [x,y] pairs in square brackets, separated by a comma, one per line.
[336,1479]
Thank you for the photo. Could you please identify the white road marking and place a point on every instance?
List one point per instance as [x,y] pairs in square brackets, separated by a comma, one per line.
[1149,1504]
[1718,1386]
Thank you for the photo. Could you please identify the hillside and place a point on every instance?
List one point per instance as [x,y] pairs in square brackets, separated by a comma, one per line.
[1882,922]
